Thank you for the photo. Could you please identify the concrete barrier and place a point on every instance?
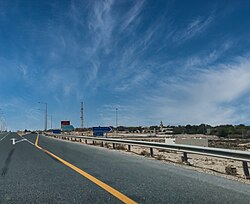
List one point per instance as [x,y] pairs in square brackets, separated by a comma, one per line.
[192,141]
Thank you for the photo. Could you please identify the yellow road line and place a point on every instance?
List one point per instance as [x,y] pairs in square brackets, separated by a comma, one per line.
[106,187]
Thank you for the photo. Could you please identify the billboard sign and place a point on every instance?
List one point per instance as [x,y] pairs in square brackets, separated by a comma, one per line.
[65,122]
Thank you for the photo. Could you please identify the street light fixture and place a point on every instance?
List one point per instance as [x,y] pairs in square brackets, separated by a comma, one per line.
[46,114]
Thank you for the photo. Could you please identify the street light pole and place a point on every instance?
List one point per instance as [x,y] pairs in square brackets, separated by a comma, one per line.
[116,119]
[1,121]
[46,115]
[51,122]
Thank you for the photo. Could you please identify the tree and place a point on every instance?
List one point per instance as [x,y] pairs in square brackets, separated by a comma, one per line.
[222,132]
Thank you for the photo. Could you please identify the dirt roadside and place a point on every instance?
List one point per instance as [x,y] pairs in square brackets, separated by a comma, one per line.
[200,163]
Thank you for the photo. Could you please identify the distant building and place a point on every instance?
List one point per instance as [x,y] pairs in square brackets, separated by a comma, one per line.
[161,126]
[66,128]
[165,130]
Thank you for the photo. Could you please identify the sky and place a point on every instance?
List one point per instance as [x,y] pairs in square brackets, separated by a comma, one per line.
[180,62]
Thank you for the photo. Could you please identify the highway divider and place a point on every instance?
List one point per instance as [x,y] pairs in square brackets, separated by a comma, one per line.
[238,155]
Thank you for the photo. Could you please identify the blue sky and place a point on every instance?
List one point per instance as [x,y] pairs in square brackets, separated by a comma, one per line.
[182,62]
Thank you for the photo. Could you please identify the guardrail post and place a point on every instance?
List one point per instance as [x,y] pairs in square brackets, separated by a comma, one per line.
[184,158]
[93,142]
[151,152]
[101,144]
[86,141]
[113,145]
[129,148]
[245,169]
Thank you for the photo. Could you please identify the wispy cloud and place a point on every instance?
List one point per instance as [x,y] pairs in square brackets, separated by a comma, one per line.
[65,81]
[100,26]
[195,27]
[210,96]
[92,74]
[129,67]
[132,14]
[206,58]
[134,82]
[206,96]
[23,69]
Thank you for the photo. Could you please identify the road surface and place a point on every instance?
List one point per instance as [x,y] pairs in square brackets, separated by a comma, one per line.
[56,171]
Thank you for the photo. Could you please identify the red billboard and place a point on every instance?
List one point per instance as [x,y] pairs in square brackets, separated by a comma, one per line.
[65,122]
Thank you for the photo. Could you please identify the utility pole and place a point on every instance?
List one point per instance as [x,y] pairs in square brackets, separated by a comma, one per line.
[81,115]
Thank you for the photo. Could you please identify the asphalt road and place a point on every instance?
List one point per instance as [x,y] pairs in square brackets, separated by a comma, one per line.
[30,175]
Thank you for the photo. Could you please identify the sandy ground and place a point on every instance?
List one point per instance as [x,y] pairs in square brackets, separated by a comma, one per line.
[201,163]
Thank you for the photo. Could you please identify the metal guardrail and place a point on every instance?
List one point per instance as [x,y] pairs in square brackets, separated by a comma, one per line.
[243,156]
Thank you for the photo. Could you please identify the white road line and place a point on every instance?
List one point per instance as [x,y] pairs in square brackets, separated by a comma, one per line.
[26,140]
[4,137]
